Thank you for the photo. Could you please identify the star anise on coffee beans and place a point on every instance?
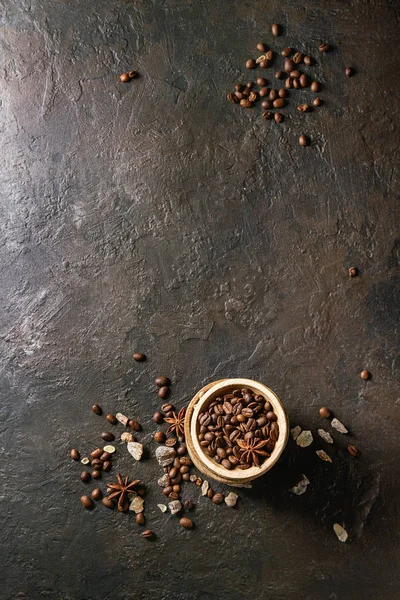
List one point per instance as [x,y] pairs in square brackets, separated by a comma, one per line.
[121,490]
[177,423]
[251,450]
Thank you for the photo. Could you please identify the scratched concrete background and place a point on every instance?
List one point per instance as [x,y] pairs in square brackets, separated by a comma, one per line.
[157,216]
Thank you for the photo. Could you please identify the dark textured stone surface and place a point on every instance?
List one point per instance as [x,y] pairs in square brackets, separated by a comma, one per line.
[156,216]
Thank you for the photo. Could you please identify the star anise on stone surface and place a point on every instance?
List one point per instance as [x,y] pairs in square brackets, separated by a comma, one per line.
[121,490]
[177,423]
[251,450]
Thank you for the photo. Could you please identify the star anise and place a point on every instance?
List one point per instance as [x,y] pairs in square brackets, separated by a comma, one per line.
[177,423]
[252,450]
[121,489]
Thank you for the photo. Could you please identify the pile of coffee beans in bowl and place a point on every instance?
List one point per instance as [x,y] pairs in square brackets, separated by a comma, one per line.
[239,430]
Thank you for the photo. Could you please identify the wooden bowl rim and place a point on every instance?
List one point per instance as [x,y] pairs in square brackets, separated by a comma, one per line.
[222,387]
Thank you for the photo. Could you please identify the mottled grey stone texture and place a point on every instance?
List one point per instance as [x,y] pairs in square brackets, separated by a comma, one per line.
[156,216]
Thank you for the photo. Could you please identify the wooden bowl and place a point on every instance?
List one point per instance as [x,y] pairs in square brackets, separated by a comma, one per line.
[235,477]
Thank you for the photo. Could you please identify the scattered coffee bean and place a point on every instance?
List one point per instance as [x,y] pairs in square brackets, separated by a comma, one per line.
[96,474]
[282,93]
[303,80]
[85,476]
[325,412]
[288,83]
[218,498]
[303,141]
[171,442]
[349,71]
[147,534]
[132,424]
[262,47]
[288,65]
[245,104]
[97,409]
[266,104]
[279,102]
[253,96]
[315,86]
[87,502]
[296,84]
[164,391]
[96,453]
[140,518]
[269,55]
[108,502]
[353,272]
[324,48]
[108,436]
[158,417]
[112,419]
[273,94]
[308,61]
[232,97]
[162,381]
[132,74]
[97,494]
[286,52]
[279,75]
[303,108]
[261,81]
[188,505]
[317,102]
[251,64]
[365,374]
[239,87]
[74,454]
[298,58]
[239,95]
[264,91]
[353,450]
[186,523]
[105,456]
[106,465]
[159,437]
[181,451]
[124,77]
[139,357]
[167,407]
[278,117]
[276,29]
[264,64]
[295,74]
[250,85]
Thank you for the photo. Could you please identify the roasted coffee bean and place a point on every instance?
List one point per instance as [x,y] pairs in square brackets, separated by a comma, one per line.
[246,103]
[171,442]
[273,95]
[106,465]
[87,502]
[105,456]
[96,453]
[289,83]
[96,474]
[167,407]
[108,502]
[353,272]
[262,47]
[176,488]
[288,65]
[148,534]
[308,61]
[365,374]
[296,84]
[167,490]
[241,418]
[278,117]
[112,419]
[264,92]
[108,436]
[286,52]
[140,519]
[349,71]
[162,381]
[124,78]
[173,496]
[97,409]
[271,416]
[74,454]
[96,462]
[184,469]
[315,86]
[158,417]
[262,421]
[295,74]
[218,498]
[276,29]
[325,412]
[221,452]
[177,463]
[298,58]
[280,75]
[189,505]
[262,82]
[85,476]
[173,472]
[97,494]
[139,356]
[186,477]
[269,55]
[199,482]
[159,437]
[282,93]
[279,103]
[251,64]
[186,523]
[185,460]
[353,450]
[324,48]
[163,392]
[303,80]
[303,108]
[181,450]
[232,98]
[246,92]
[266,104]
[253,96]
[239,95]
[264,64]
[209,436]
[317,102]
[226,463]
[250,85]
[239,87]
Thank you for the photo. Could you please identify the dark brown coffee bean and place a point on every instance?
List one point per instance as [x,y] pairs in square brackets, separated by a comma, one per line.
[177,463]
[241,418]
[106,465]
[266,104]
[186,523]
[262,82]
[262,47]
[253,96]
[87,502]
[273,94]
[280,75]
[324,48]
[96,474]
[226,463]
[303,80]
[184,469]
[232,98]
[124,77]
[108,436]
[315,86]
[251,64]
[105,456]
[163,392]
[85,476]
[148,534]
[353,272]
[250,85]
[185,460]
[353,450]
[276,29]
[186,477]
[140,519]
[181,450]
[132,424]
[246,92]
[139,356]
[173,472]
[289,83]
[209,436]
[349,72]
[96,463]
[269,55]
[308,61]
[239,95]
[162,381]
[278,117]
[262,421]
[325,412]
[97,409]
[167,490]
[286,52]
[158,417]
[279,102]
[96,453]
[295,74]
[246,103]
[108,502]
[239,87]
[298,58]
[317,102]
[173,496]
[112,419]
[218,498]
[159,437]
[271,416]
[365,375]
[296,84]
[74,454]
[264,64]
[303,108]
[221,452]
[176,488]
[264,92]
[282,93]
[97,494]
[288,65]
